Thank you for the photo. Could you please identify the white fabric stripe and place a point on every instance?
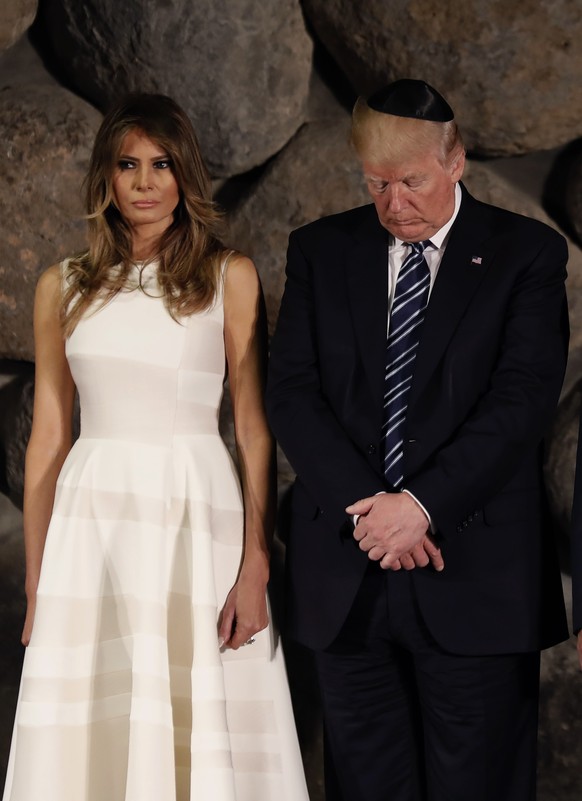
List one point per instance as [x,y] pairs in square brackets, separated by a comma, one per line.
[396,419]
[391,451]
[408,295]
[403,391]
[395,460]
[395,426]
[401,356]
[396,387]
[397,334]
[402,366]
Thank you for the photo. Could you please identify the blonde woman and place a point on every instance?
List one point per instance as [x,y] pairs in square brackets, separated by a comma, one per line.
[151,671]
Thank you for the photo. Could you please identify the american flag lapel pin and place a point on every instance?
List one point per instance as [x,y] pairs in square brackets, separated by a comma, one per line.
[476,260]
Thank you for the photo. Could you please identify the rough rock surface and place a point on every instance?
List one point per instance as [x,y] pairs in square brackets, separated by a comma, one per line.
[511,71]
[16,16]
[46,134]
[240,69]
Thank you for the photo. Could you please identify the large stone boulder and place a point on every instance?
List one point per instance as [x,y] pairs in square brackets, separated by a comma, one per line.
[16,16]
[240,69]
[46,134]
[513,74]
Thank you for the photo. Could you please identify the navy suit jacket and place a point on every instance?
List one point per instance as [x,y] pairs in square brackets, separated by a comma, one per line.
[487,379]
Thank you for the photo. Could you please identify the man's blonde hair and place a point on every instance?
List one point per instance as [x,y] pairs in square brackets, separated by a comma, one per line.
[380,138]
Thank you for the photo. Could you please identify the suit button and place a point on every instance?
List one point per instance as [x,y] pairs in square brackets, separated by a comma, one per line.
[371,449]
[459,528]
[470,518]
[465,524]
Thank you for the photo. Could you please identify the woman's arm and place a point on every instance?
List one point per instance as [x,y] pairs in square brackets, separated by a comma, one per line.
[50,438]
[245,611]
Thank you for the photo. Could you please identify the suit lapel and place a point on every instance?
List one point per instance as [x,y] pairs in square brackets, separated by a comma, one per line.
[366,267]
[464,265]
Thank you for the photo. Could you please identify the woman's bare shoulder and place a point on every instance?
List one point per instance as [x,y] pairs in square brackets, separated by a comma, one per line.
[49,286]
[240,274]
[51,277]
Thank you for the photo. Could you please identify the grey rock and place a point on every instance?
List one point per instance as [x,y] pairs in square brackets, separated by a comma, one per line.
[240,69]
[511,71]
[22,64]
[16,16]
[46,134]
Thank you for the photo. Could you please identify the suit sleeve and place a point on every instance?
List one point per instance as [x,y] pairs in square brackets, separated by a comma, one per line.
[323,456]
[508,423]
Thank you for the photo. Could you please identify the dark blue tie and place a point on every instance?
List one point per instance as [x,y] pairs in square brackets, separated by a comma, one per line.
[406,318]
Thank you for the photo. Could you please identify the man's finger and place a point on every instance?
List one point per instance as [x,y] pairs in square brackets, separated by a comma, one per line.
[361,507]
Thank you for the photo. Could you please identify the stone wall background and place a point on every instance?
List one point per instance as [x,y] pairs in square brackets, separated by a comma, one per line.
[269,86]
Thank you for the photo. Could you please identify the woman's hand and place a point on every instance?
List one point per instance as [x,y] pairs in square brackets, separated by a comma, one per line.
[244,612]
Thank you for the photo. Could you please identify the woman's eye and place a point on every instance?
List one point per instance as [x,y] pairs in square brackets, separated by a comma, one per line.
[163,164]
[125,164]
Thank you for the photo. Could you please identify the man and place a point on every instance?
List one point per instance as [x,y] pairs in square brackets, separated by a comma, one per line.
[417,362]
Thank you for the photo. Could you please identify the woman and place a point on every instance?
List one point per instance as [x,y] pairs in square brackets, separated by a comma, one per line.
[146,565]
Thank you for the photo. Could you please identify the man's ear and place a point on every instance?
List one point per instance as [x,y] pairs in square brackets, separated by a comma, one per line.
[457,166]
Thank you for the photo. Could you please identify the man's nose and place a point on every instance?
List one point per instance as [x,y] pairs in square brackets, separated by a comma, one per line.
[393,198]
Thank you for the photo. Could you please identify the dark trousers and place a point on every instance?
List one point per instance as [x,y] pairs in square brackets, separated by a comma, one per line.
[405,720]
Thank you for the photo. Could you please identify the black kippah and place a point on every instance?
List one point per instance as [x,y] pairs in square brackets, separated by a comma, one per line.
[411,98]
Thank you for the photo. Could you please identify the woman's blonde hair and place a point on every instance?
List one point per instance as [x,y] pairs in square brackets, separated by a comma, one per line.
[189,250]
[380,138]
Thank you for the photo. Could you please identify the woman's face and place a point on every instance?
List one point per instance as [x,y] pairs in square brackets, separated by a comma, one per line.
[144,187]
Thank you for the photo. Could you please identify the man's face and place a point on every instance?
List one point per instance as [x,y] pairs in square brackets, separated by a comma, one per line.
[414,197]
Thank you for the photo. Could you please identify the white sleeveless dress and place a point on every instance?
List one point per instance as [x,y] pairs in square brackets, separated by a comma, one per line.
[125,695]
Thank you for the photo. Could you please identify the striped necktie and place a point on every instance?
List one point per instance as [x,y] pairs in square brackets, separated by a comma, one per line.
[406,318]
